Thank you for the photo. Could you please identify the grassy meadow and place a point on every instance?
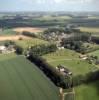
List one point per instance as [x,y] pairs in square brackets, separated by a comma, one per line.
[70,60]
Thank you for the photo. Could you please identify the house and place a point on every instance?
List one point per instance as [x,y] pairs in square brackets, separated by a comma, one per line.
[63,70]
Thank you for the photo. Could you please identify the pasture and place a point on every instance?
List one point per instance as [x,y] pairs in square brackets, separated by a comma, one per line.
[70,60]
[22,80]
[87,92]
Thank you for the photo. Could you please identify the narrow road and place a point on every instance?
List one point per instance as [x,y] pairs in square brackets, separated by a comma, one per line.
[66,93]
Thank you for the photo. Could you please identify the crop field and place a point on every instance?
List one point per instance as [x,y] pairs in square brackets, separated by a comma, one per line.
[70,60]
[13,37]
[25,43]
[87,92]
[8,32]
[93,17]
[48,17]
[7,56]
[89,29]
[28,29]
[22,80]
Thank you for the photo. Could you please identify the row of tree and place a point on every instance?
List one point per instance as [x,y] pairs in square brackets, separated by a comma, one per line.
[42,49]
[29,34]
[58,30]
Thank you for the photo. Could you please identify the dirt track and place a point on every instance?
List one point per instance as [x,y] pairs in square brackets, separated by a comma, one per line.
[13,37]
[29,29]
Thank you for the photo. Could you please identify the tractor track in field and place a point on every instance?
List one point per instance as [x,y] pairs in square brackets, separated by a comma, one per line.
[62,60]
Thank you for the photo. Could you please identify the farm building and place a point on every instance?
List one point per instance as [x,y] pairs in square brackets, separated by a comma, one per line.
[63,70]
[4,49]
[83,57]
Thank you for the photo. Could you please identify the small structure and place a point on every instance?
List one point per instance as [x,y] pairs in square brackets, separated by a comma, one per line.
[61,48]
[83,57]
[64,70]
[9,49]
[3,49]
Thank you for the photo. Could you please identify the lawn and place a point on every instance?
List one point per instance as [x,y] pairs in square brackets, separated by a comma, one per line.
[87,92]
[30,42]
[22,80]
[70,60]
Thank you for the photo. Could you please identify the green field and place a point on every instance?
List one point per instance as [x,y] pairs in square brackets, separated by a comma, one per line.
[30,42]
[7,32]
[94,53]
[22,80]
[89,29]
[4,57]
[87,92]
[70,60]
[93,17]
[48,18]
